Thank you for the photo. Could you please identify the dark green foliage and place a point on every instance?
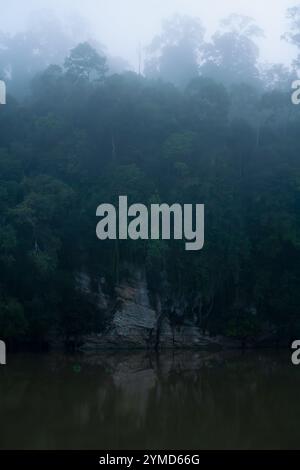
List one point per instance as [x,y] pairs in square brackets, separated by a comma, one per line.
[82,139]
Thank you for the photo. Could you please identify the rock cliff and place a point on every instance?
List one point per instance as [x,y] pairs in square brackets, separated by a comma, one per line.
[132,322]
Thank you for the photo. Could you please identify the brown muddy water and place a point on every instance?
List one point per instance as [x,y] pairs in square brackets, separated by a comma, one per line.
[184,400]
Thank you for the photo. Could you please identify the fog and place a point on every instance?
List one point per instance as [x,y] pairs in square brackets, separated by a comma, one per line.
[124,24]
[203,144]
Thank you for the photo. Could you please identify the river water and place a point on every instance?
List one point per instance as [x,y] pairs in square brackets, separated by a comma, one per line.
[181,400]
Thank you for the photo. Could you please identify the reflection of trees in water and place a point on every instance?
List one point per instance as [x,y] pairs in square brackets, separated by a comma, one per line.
[188,399]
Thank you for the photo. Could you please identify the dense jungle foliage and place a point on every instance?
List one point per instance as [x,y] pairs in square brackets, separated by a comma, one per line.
[204,122]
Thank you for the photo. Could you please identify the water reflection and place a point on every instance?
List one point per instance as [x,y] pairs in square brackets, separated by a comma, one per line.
[125,401]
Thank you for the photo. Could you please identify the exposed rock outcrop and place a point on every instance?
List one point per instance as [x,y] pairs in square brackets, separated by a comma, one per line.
[132,320]
[134,323]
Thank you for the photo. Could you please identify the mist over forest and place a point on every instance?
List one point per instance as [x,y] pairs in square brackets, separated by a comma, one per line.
[194,120]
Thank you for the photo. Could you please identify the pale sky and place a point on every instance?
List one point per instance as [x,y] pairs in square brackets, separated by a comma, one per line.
[122,24]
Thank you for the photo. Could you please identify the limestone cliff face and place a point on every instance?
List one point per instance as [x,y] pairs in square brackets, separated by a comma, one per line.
[132,322]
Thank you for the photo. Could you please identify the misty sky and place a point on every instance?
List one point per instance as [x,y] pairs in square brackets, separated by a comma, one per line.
[122,24]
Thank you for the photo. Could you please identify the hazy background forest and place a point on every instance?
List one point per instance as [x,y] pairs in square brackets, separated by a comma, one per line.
[194,120]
